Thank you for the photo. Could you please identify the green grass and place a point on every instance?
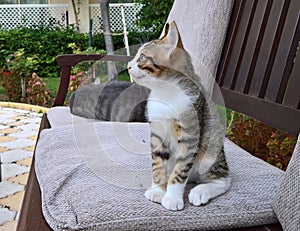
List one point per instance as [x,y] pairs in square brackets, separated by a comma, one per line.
[2,90]
[124,76]
[52,84]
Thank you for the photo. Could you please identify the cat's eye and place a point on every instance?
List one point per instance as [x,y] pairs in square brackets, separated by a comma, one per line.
[142,57]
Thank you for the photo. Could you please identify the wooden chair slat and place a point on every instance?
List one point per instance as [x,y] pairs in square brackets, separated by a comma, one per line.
[274,48]
[292,95]
[259,52]
[231,36]
[242,53]
[265,49]
[280,54]
[292,27]
[239,42]
[254,40]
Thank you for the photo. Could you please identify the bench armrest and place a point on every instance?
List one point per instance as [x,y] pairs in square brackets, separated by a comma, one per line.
[67,61]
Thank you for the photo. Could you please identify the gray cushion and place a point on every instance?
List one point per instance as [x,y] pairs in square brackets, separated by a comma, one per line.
[93,176]
[61,115]
[102,101]
[287,202]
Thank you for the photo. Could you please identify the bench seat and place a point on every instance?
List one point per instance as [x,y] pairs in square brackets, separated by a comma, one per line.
[94,181]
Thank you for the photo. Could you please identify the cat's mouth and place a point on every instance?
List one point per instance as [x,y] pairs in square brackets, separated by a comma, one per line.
[133,73]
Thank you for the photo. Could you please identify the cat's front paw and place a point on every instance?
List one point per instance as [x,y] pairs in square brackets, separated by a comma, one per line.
[172,202]
[155,194]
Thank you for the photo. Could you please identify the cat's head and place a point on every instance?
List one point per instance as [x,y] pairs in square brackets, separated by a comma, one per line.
[159,59]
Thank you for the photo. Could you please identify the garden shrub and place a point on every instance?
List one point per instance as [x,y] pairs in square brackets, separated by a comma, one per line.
[11,84]
[19,63]
[76,81]
[15,74]
[44,42]
[37,92]
[281,146]
[134,37]
[48,42]
[267,143]
[153,15]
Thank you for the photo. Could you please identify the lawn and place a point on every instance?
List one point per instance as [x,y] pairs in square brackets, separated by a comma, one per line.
[52,84]
[2,90]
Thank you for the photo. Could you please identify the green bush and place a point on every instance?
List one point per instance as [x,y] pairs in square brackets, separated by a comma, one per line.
[153,16]
[37,92]
[15,74]
[47,42]
[134,37]
[44,42]
[11,83]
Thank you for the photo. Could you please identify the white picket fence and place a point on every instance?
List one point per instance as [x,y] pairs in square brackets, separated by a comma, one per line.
[130,12]
[27,15]
[12,16]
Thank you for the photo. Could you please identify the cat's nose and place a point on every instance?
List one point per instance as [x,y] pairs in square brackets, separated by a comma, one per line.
[128,68]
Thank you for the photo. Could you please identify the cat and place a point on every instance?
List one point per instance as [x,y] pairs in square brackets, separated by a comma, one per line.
[187,134]
[110,101]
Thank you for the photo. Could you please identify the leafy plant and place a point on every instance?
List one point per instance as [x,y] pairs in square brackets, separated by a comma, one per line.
[20,64]
[11,84]
[281,147]
[46,42]
[267,143]
[76,80]
[37,92]
[153,15]
[43,41]
[80,71]
[16,71]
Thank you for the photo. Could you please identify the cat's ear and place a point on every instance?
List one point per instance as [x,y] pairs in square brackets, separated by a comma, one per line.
[165,31]
[172,36]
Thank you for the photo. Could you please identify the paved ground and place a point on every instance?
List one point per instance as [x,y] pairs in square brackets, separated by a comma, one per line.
[18,131]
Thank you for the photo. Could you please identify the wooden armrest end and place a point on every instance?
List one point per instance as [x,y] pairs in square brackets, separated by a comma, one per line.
[67,61]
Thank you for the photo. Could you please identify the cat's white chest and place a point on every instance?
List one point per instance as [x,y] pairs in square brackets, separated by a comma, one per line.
[168,102]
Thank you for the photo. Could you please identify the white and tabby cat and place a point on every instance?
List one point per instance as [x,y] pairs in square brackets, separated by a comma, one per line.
[186,129]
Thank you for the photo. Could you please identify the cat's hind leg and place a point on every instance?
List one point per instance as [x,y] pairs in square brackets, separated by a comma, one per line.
[215,182]
[203,193]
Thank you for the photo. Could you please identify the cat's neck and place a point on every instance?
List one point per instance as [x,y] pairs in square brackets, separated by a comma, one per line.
[167,100]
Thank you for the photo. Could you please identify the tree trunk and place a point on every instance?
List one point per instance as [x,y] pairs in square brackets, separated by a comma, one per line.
[111,67]
[75,16]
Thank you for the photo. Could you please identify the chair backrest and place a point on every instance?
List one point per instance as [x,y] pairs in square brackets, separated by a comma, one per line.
[259,72]
[202,26]
[259,69]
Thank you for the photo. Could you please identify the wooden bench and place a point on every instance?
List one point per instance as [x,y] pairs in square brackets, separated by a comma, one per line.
[259,70]
[259,75]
